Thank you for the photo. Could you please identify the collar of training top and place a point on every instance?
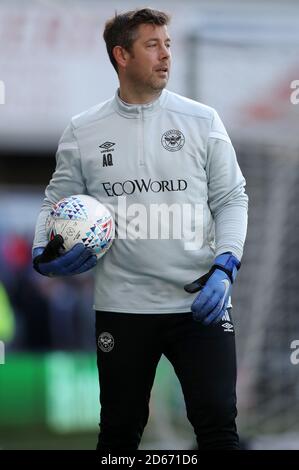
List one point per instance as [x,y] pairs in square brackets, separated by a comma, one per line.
[136,110]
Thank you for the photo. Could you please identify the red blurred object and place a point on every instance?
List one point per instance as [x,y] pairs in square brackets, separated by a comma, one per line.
[16,252]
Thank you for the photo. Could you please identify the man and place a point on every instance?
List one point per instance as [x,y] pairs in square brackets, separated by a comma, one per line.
[168,150]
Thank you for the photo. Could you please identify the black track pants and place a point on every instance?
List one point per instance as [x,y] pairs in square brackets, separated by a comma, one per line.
[129,347]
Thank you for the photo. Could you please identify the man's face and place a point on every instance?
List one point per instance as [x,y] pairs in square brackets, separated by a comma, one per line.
[148,66]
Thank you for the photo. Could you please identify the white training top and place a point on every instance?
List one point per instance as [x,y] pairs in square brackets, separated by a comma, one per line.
[168,172]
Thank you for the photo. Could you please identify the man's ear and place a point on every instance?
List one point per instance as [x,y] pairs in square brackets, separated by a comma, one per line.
[121,56]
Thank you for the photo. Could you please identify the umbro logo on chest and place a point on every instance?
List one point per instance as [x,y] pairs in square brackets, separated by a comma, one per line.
[106,150]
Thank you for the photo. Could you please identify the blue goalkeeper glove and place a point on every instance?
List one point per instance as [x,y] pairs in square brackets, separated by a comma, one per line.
[215,287]
[53,261]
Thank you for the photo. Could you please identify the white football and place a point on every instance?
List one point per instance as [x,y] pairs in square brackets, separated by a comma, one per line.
[82,219]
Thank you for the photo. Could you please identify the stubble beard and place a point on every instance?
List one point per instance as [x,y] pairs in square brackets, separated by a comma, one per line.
[151,84]
[154,85]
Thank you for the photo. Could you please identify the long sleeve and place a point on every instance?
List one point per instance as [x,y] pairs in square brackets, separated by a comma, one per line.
[228,201]
[66,181]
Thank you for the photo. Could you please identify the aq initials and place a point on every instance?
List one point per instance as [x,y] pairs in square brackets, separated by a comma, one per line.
[107,159]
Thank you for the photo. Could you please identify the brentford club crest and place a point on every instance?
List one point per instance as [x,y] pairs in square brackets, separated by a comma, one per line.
[106,342]
[173,140]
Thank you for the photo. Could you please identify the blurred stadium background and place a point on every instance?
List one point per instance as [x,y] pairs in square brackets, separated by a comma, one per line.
[239,57]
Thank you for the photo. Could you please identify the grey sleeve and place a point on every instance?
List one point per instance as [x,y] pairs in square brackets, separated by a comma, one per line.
[66,180]
[227,199]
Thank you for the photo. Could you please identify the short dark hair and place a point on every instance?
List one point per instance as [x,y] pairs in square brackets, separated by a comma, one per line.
[121,29]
